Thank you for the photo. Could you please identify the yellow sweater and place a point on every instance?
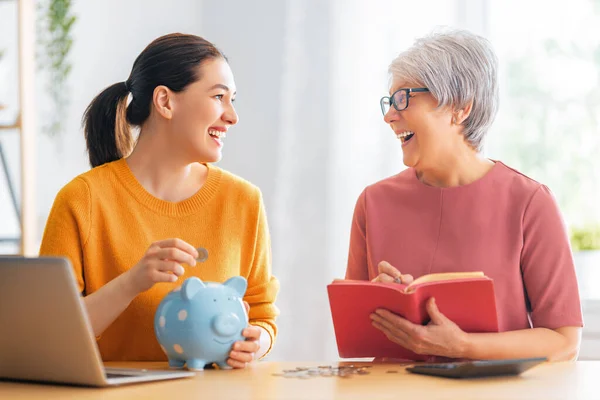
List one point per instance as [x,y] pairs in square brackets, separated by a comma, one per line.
[104,221]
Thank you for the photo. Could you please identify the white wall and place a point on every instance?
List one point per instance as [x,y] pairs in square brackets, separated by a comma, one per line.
[9,139]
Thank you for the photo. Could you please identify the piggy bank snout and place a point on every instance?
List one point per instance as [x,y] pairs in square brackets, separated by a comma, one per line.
[226,324]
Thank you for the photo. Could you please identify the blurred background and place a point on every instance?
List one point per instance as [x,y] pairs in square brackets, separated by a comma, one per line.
[309,78]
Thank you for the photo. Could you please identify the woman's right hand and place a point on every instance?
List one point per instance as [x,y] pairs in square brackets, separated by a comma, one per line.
[161,263]
[389,274]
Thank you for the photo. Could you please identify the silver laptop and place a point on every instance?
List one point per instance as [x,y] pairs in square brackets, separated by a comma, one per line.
[45,334]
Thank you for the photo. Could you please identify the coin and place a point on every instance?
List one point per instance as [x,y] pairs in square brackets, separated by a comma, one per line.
[324,371]
[202,254]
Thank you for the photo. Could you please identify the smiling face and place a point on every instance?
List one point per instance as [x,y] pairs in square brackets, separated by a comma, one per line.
[203,112]
[426,132]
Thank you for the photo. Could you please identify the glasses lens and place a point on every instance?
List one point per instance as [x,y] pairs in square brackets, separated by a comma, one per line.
[385,105]
[400,99]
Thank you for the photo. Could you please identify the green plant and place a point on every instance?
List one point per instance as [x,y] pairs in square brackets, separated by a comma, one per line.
[585,238]
[55,23]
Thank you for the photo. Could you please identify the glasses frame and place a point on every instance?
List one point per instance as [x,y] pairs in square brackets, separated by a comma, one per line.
[391,101]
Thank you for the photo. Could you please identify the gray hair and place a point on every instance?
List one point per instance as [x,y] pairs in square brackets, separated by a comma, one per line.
[458,67]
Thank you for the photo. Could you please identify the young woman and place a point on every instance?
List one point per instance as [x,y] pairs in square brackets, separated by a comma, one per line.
[131,225]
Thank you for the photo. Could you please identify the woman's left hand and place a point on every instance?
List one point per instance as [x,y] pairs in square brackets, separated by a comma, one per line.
[243,351]
[441,337]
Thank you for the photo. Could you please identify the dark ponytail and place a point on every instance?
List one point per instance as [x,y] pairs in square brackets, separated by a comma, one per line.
[173,61]
[107,132]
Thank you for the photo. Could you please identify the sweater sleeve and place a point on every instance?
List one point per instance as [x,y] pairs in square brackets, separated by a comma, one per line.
[358,267]
[68,226]
[263,287]
[547,265]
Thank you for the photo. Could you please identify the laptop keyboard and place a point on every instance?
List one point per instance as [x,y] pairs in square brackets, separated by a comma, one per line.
[111,375]
[124,373]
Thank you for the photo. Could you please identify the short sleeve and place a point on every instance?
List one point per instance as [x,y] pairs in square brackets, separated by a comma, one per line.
[547,265]
[357,268]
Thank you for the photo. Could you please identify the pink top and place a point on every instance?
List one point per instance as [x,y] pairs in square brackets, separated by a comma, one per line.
[504,224]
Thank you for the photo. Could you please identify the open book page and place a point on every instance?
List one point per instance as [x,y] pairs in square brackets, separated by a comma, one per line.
[429,278]
[444,276]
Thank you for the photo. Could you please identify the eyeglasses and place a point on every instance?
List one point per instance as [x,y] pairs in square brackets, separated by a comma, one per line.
[399,99]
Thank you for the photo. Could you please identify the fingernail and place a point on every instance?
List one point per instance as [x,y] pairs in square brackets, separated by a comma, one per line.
[193,263]
[236,346]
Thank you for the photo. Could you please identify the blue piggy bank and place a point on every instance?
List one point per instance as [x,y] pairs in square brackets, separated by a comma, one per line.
[196,324]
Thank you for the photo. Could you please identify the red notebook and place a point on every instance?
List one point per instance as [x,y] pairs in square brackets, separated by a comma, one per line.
[467,298]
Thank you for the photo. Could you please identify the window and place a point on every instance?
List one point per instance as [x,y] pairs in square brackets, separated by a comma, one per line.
[548,126]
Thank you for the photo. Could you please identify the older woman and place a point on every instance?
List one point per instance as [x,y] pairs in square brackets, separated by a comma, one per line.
[453,209]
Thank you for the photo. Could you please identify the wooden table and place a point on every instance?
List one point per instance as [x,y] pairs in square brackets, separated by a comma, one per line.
[547,381]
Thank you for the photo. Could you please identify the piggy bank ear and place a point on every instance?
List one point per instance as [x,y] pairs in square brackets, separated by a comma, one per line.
[238,284]
[191,286]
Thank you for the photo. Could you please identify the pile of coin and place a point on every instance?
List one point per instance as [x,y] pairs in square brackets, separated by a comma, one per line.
[346,371]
